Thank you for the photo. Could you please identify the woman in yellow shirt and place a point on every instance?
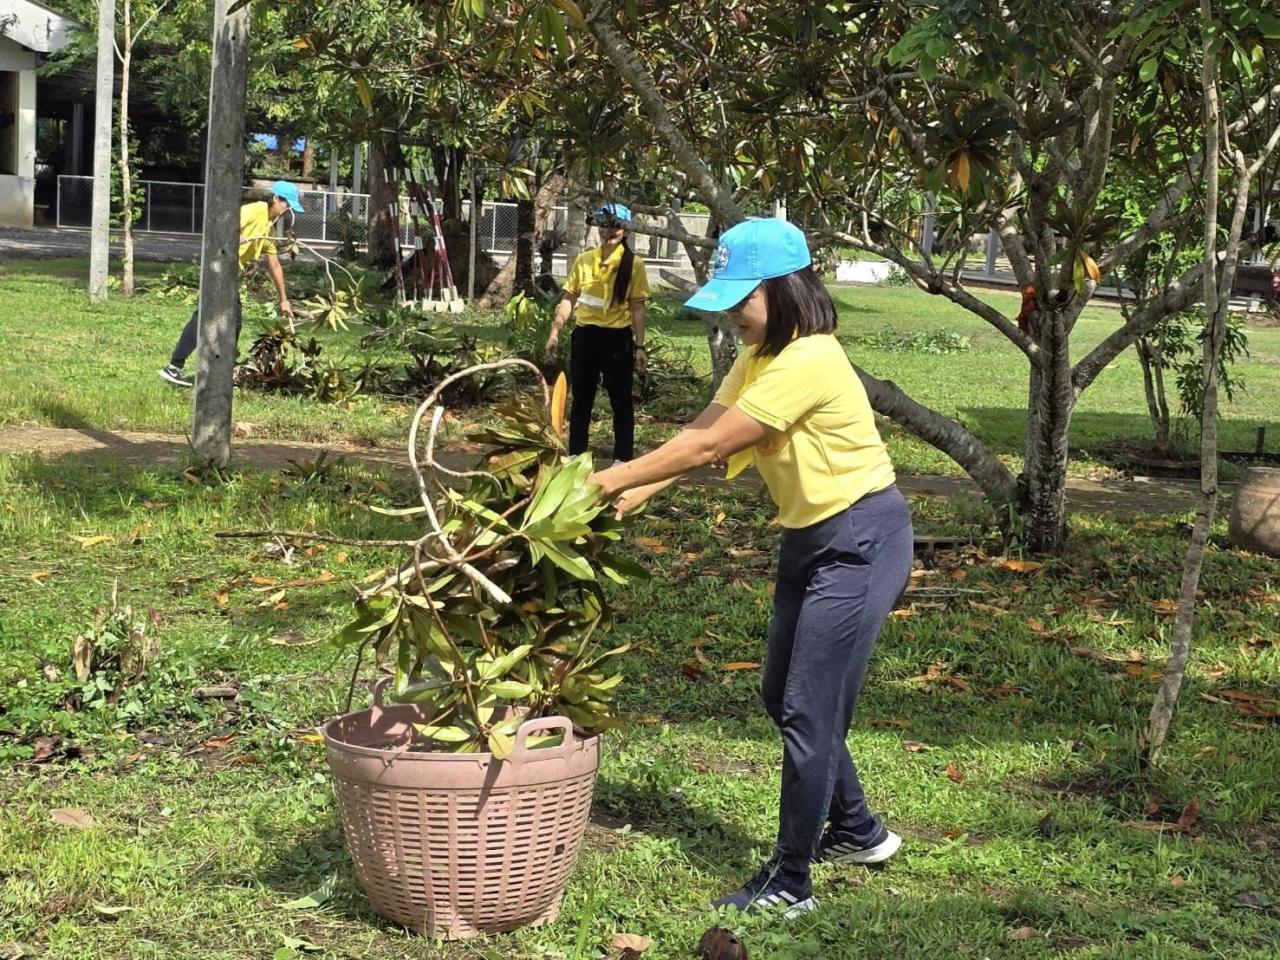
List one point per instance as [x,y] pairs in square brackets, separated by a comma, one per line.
[606,290]
[794,406]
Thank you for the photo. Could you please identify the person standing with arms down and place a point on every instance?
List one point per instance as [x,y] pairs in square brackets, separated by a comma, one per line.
[256,222]
[608,287]
[794,406]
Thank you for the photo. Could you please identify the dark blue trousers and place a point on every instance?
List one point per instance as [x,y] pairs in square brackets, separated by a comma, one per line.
[837,582]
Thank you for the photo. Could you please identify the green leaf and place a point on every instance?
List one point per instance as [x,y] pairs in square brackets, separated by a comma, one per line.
[568,560]
[501,745]
[500,667]
[510,689]
[364,93]
[316,897]
[443,734]
[1147,72]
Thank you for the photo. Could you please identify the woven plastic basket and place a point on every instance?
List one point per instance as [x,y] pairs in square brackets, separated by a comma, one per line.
[457,845]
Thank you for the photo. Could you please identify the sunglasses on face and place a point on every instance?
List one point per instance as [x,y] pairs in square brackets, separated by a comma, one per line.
[605,223]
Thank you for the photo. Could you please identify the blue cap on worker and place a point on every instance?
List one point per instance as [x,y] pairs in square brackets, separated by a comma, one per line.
[614,211]
[749,252]
[288,192]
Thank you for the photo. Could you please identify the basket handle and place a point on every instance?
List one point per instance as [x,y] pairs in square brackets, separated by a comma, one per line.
[550,724]
[379,686]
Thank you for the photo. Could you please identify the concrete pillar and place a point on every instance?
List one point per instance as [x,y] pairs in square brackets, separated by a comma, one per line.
[357,165]
[219,248]
[99,235]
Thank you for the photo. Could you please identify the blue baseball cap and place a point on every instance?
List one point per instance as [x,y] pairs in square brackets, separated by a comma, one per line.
[614,211]
[749,252]
[288,192]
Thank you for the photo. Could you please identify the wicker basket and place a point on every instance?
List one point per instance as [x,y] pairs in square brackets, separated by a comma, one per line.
[458,845]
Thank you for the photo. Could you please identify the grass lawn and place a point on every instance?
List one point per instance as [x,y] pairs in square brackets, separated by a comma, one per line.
[996,731]
[65,363]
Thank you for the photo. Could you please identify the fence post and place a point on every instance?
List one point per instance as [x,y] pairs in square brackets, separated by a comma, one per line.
[324,219]
[148,227]
[58,215]
[926,234]
[993,242]
[493,227]
[193,208]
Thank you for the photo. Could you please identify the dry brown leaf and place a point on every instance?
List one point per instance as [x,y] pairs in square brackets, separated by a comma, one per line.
[1190,814]
[630,941]
[219,742]
[222,597]
[741,665]
[1022,933]
[1178,880]
[1035,626]
[559,393]
[652,544]
[1165,607]
[39,575]
[955,774]
[1015,565]
[913,746]
[889,722]
[93,541]
[72,817]
[987,608]
[44,748]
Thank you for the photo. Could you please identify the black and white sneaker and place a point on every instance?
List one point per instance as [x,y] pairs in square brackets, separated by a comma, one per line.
[171,374]
[839,847]
[770,889]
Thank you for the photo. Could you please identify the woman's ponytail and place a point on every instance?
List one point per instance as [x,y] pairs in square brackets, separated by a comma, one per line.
[622,281]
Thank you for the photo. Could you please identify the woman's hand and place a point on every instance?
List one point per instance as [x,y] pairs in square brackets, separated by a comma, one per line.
[629,501]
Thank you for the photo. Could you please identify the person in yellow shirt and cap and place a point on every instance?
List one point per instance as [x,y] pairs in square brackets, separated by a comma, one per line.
[256,241]
[794,406]
[608,289]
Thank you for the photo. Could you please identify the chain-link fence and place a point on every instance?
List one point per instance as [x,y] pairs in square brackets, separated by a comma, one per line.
[163,206]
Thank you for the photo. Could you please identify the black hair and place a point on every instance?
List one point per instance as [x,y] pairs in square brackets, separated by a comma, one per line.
[798,305]
[622,281]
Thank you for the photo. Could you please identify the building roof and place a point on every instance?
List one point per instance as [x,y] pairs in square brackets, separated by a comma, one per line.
[36,26]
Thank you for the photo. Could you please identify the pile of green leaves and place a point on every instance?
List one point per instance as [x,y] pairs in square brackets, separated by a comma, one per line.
[536,529]
[280,361]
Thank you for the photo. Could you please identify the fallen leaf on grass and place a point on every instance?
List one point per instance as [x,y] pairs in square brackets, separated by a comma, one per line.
[741,665]
[651,543]
[219,742]
[44,749]
[72,817]
[311,738]
[111,911]
[316,897]
[888,722]
[1166,608]
[1022,933]
[692,669]
[222,598]
[291,638]
[987,608]
[1018,566]
[913,746]
[93,541]
[630,944]
[1178,880]
[955,774]
[40,575]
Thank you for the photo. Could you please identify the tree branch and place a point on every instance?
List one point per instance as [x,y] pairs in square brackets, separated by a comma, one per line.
[599,21]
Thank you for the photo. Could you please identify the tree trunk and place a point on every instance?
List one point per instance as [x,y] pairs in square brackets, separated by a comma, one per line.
[100,229]
[526,229]
[308,159]
[1044,474]
[508,281]
[575,231]
[722,340]
[383,195]
[1218,280]
[1151,359]
[126,181]
[219,263]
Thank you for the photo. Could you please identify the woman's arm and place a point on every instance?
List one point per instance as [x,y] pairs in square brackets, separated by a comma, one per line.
[716,434]
[637,327]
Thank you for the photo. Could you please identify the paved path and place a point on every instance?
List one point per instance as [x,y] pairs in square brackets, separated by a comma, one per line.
[1120,496]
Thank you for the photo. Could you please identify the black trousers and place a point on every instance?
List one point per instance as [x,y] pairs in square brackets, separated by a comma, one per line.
[187,339]
[837,582]
[608,354]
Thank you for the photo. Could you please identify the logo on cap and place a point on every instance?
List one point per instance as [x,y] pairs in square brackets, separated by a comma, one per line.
[722,259]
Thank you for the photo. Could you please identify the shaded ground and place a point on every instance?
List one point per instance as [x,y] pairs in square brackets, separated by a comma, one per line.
[1122,496]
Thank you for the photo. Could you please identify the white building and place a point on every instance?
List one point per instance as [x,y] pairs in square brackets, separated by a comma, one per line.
[27,31]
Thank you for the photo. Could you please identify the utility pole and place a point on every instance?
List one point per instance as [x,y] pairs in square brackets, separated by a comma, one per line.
[219,249]
[104,96]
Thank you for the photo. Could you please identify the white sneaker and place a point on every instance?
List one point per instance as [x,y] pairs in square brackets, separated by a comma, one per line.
[839,848]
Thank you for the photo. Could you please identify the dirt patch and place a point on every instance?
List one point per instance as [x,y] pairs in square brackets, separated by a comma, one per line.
[1123,496]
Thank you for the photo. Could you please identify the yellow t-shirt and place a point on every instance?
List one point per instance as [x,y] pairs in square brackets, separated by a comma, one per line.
[827,454]
[256,232]
[591,280]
